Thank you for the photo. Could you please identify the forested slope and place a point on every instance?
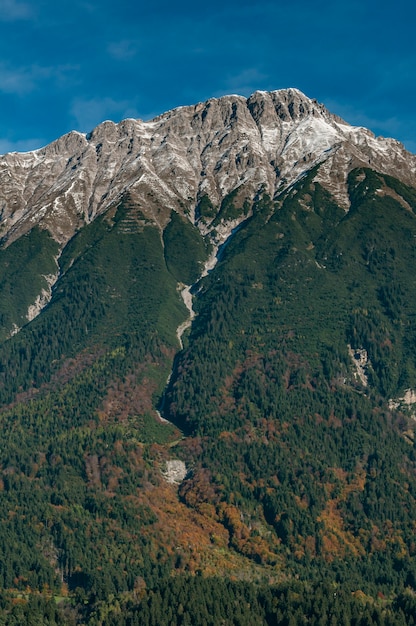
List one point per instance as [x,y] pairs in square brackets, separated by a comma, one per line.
[298,505]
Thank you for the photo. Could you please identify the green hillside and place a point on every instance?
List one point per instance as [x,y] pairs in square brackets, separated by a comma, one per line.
[308,467]
[24,266]
[298,505]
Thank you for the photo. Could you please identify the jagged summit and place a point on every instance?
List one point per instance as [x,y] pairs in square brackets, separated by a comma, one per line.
[266,141]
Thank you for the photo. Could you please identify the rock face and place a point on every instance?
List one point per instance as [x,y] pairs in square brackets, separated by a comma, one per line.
[263,143]
[175,471]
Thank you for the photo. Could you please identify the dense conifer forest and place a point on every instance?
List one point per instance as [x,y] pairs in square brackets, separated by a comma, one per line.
[298,505]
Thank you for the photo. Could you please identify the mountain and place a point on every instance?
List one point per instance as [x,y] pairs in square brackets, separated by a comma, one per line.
[264,143]
[208,371]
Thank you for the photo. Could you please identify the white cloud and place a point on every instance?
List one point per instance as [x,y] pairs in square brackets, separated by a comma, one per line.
[12,10]
[24,80]
[393,126]
[22,145]
[410,145]
[122,50]
[244,83]
[88,113]
[356,117]
[20,80]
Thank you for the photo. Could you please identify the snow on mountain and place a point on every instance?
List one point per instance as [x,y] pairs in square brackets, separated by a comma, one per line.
[264,142]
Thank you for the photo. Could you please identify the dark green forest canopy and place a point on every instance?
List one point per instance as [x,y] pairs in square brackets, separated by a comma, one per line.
[301,472]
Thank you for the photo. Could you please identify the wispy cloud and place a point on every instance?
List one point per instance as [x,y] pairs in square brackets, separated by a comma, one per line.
[87,113]
[357,117]
[122,50]
[6,145]
[23,80]
[20,80]
[245,83]
[410,145]
[12,10]
[387,126]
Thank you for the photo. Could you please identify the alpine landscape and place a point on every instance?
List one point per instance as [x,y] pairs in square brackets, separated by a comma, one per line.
[208,372]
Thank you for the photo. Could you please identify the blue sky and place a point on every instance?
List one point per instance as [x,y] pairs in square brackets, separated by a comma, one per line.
[68,65]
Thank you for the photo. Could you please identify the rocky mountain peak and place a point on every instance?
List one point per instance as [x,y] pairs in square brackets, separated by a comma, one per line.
[289,105]
[213,148]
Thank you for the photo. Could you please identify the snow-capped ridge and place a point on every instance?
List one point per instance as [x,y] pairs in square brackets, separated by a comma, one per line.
[266,141]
